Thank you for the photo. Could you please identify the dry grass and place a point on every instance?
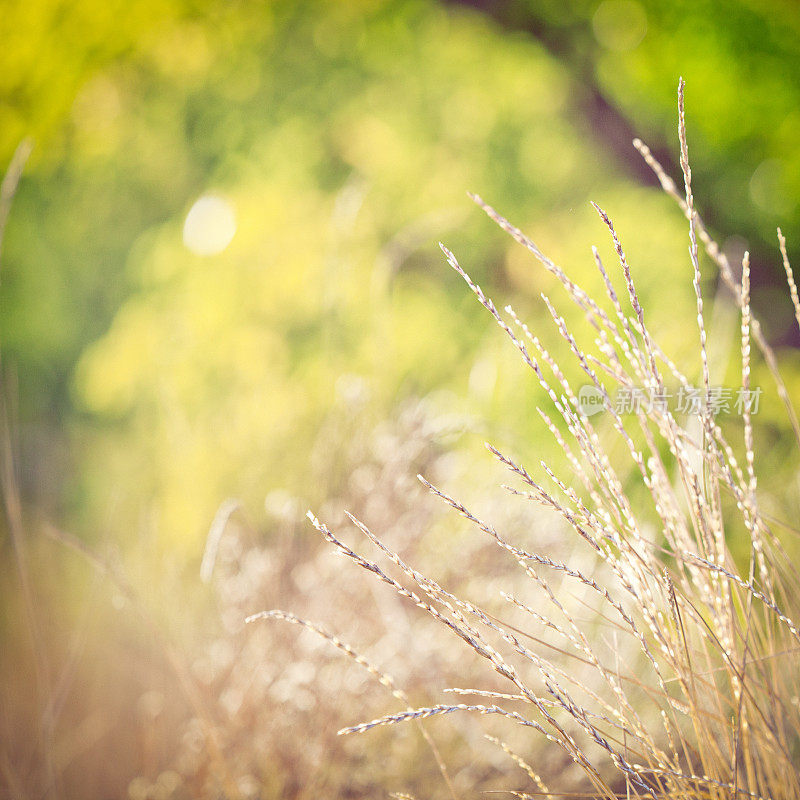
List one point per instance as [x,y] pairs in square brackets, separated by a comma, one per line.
[681,681]
[175,700]
[643,657]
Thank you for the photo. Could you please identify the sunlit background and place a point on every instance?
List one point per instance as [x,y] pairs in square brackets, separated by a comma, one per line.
[223,303]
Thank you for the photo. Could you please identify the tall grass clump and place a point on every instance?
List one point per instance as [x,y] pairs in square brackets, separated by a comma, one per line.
[663,661]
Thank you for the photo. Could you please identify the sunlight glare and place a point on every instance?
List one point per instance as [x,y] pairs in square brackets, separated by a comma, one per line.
[210,225]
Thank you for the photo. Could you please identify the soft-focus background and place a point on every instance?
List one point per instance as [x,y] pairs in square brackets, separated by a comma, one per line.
[222,297]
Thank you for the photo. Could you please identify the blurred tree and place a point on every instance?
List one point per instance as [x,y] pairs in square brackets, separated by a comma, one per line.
[741,61]
[57,290]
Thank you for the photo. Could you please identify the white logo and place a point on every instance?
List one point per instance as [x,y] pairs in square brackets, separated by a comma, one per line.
[590,400]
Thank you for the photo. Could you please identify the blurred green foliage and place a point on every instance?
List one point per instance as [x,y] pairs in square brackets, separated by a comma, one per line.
[741,62]
[344,137]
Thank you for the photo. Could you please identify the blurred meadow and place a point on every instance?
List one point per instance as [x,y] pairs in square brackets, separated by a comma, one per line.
[223,304]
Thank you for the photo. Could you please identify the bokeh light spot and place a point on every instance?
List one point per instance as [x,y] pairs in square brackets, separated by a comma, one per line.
[619,25]
[210,225]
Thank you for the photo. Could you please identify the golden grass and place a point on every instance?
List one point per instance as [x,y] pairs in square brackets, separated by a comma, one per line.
[684,681]
[638,658]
